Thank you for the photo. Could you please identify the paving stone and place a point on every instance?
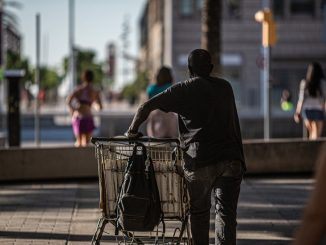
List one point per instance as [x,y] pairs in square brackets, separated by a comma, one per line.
[66,212]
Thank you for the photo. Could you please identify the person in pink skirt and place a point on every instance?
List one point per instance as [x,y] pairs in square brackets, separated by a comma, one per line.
[80,104]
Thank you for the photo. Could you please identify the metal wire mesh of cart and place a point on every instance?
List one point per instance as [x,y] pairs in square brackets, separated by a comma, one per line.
[113,155]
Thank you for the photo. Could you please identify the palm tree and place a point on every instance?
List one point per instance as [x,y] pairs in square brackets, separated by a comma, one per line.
[7,18]
[211,31]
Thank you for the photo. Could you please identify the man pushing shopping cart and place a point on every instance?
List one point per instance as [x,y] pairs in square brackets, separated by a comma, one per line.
[211,142]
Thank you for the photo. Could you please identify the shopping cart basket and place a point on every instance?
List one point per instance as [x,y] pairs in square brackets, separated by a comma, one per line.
[112,155]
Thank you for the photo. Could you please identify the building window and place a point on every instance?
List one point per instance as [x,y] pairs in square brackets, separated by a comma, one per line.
[323,5]
[253,98]
[233,75]
[233,8]
[186,7]
[199,4]
[302,7]
[278,8]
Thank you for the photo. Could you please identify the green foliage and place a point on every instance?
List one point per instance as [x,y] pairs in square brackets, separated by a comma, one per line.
[133,90]
[49,78]
[9,17]
[85,59]
[14,61]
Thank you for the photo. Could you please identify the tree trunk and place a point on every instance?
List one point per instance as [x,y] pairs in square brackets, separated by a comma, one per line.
[211,32]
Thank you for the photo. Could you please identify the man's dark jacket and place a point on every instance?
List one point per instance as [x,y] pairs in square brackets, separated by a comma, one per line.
[208,120]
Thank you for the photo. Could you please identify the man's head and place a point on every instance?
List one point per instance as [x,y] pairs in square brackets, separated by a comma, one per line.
[200,63]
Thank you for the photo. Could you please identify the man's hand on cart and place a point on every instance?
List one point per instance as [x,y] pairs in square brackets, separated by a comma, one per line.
[133,135]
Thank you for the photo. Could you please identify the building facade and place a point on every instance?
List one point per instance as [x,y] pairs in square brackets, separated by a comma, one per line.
[170,29]
[12,39]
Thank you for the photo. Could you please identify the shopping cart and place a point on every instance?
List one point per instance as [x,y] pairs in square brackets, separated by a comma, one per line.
[112,155]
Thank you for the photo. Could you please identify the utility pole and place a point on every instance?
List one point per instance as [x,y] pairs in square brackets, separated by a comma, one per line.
[72,65]
[267,93]
[37,81]
[125,46]
[111,63]
[265,17]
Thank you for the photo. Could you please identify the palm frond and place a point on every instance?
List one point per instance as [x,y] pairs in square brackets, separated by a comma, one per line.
[14,4]
[10,18]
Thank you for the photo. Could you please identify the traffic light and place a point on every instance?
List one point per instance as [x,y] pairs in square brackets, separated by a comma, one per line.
[269,34]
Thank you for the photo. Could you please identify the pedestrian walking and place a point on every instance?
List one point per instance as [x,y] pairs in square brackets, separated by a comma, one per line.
[286,100]
[159,123]
[80,104]
[211,140]
[311,103]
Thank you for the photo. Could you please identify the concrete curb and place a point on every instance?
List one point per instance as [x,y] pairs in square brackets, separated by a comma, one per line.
[282,156]
[47,163]
[275,156]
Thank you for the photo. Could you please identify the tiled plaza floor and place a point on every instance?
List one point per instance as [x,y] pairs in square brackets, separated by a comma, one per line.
[66,212]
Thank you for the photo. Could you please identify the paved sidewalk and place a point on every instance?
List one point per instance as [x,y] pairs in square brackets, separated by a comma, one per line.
[66,212]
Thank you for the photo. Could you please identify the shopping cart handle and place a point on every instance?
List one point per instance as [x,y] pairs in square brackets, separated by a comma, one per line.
[122,138]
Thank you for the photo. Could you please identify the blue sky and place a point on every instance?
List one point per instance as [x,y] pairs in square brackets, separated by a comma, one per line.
[97,22]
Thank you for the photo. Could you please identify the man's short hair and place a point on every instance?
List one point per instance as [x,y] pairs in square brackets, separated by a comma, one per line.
[200,62]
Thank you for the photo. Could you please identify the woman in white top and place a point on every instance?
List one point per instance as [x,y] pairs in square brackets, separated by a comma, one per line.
[311,101]
[159,123]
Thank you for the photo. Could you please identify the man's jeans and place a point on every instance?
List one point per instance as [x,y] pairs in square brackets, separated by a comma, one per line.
[224,178]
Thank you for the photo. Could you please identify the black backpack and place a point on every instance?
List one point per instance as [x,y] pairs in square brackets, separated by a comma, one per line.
[139,206]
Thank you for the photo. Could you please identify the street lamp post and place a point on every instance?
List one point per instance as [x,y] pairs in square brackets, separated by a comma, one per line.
[72,67]
[37,82]
[125,46]
[266,93]
[265,17]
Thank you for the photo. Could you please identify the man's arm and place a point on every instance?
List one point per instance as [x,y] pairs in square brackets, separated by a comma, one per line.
[99,100]
[141,115]
[297,115]
[69,101]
